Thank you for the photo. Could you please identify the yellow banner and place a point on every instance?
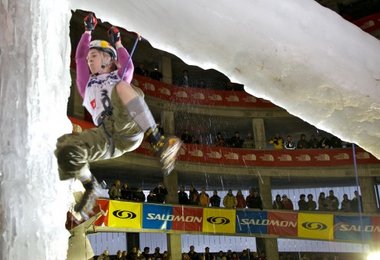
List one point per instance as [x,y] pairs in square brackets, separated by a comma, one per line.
[124,214]
[317,226]
[218,220]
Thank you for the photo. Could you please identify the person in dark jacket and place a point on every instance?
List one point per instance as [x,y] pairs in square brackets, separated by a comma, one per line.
[215,199]
[302,204]
[160,192]
[254,199]
[183,198]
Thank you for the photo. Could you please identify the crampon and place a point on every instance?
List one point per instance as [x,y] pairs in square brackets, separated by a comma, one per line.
[85,206]
[168,154]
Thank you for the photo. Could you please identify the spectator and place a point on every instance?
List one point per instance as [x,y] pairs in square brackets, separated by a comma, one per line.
[335,142]
[202,84]
[215,199]
[253,200]
[302,204]
[262,256]
[345,204]
[204,199]
[229,201]
[277,142]
[186,137]
[157,254]
[355,202]
[193,255]
[220,256]
[236,141]
[289,143]
[313,142]
[303,143]
[139,195]
[277,203]
[104,256]
[322,203]
[324,143]
[240,200]
[207,255]
[119,255]
[311,204]
[145,254]
[140,70]
[249,143]
[160,192]
[199,138]
[234,256]
[151,198]
[185,256]
[332,201]
[115,192]
[126,193]
[185,81]
[229,86]
[133,254]
[245,255]
[219,140]
[160,129]
[194,196]
[124,255]
[156,74]
[165,255]
[229,254]
[288,204]
[183,198]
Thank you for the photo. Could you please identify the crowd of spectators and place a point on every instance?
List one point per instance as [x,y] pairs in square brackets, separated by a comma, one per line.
[185,80]
[124,192]
[192,254]
[230,201]
[329,203]
[315,142]
[246,254]
[277,142]
[135,254]
[235,141]
[236,200]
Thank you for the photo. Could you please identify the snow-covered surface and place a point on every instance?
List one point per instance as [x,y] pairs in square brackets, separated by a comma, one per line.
[298,54]
[35,85]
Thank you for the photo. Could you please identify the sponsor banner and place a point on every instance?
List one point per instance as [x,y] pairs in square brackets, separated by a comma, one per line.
[282,223]
[157,216]
[350,228]
[187,219]
[124,214]
[103,219]
[218,220]
[376,230]
[251,222]
[316,226]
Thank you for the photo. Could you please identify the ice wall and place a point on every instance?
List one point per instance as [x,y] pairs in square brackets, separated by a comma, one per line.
[298,54]
[34,88]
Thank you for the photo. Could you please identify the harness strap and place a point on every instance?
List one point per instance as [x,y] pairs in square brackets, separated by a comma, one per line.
[106,102]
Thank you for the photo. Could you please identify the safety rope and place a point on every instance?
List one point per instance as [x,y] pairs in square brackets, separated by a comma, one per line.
[359,200]
[138,38]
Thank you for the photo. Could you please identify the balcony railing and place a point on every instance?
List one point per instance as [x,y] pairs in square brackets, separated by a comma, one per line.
[199,96]
[262,158]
